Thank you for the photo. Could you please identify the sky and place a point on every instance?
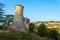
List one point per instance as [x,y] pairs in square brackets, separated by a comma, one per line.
[35,10]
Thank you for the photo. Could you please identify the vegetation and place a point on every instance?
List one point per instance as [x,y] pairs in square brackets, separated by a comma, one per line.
[31,27]
[53,34]
[1,14]
[45,32]
[17,35]
[8,19]
[5,20]
[42,30]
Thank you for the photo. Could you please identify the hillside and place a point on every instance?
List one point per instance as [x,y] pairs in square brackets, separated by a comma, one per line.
[49,24]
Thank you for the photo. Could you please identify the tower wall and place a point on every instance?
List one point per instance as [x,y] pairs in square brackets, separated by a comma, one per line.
[27,21]
[18,21]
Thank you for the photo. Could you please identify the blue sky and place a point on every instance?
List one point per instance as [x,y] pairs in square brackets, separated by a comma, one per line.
[36,10]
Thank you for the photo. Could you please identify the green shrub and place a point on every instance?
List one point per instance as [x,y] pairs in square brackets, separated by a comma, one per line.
[31,27]
[42,30]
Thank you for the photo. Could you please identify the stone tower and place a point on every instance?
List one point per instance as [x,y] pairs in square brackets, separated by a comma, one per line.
[18,21]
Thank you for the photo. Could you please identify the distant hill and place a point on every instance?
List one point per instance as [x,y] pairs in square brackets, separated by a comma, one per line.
[49,24]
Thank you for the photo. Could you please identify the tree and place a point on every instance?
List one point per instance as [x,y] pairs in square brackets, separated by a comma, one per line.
[1,11]
[42,30]
[31,27]
[1,15]
[8,19]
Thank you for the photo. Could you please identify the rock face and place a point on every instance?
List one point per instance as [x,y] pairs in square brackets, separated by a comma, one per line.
[18,21]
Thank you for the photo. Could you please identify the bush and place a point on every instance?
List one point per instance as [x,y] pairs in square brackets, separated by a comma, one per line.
[42,30]
[53,34]
[31,27]
[17,35]
[45,32]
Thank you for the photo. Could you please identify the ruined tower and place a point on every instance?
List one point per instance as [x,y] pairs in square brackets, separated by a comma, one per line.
[18,21]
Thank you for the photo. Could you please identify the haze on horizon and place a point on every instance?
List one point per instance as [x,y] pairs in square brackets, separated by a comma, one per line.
[36,10]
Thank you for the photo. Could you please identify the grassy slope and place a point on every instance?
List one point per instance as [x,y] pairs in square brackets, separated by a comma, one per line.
[17,35]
